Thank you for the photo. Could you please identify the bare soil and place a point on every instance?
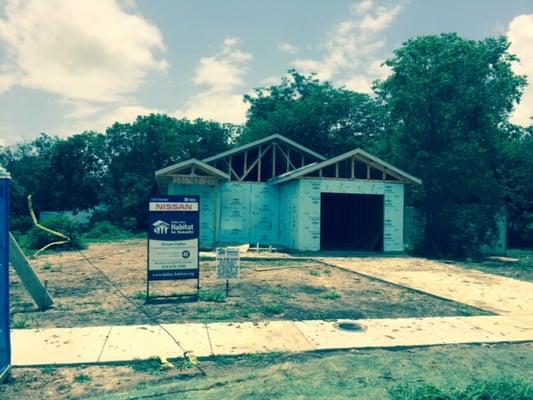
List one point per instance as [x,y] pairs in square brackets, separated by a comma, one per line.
[361,374]
[268,289]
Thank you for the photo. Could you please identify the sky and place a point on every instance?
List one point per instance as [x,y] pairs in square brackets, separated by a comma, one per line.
[67,66]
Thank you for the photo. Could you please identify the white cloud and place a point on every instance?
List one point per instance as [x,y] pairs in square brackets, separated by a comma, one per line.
[288,48]
[520,35]
[86,118]
[351,48]
[79,50]
[221,76]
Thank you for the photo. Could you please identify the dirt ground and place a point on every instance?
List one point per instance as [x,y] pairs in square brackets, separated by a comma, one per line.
[361,374]
[267,290]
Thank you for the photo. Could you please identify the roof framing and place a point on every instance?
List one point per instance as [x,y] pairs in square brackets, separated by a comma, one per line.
[357,154]
[259,142]
[194,164]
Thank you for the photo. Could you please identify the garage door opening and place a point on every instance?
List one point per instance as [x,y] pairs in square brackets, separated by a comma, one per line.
[351,222]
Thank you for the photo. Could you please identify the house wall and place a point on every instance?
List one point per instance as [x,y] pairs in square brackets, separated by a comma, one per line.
[288,214]
[249,213]
[309,209]
[208,208]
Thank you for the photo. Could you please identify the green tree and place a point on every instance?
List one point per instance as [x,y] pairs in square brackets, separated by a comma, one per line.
[135,151]
[449,98]
[516,172]
[326,119]
[60,174]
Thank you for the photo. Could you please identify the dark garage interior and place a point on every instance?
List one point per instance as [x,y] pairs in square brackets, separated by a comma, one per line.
[351,222]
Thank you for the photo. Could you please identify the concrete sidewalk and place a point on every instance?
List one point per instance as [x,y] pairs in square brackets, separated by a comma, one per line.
[63,346]
[498,294]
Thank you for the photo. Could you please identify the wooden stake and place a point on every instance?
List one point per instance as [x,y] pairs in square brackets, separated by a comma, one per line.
[28,276]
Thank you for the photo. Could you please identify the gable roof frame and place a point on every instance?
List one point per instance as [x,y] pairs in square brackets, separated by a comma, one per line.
[193,162]
[264,140]
[357,153]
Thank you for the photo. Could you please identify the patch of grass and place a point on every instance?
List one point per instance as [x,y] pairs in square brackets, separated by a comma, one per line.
[99,310]
[272,309]
[280,291]
[82,378]
[105,231]
[47,266]
[497,389]
[331,295]
[465,310]
[139,295]
[151,366]
[246,310]
[214,313]
[314,272]
[49,370]
[20,322]
[213,296]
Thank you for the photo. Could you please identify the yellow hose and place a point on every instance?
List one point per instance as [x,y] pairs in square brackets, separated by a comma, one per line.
[44,228]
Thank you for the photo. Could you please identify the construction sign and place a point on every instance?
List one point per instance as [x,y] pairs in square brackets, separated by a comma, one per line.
[173,232]
[228,262]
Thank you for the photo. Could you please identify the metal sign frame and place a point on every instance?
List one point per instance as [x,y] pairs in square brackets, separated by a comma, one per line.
[174,236]
[5,342]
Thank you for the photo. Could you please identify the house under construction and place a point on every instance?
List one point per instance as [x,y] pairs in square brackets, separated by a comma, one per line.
[275,191]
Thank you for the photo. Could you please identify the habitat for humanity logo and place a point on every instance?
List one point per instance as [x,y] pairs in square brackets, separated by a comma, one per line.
[160,227]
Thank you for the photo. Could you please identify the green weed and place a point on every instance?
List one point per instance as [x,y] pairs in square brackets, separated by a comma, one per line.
[331,295]
[213,296]
[151,366]
[81,378]
[20,322]
[497,389]
[272,309]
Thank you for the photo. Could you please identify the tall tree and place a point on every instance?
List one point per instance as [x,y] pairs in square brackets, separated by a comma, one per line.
[135,151]
[326,119]
[450,98]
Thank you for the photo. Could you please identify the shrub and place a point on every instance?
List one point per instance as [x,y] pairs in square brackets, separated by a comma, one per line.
[20,224]
[38,238]
[105,231]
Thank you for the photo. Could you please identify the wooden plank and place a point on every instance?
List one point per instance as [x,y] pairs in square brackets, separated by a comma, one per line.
[259,165]
[274,146]
[245,167]
[381,168]
[260,154]
[231,171]
[353,167]
[336,170]
[367,171]
[288,159]
[28,276]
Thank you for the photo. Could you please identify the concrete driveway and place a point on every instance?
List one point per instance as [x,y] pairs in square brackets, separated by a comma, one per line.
[498,294]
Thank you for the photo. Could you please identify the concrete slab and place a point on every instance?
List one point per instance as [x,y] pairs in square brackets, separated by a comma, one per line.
[57,345]
[415,332]
[262,337]
[498,294]
[503,329]
[144,341]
